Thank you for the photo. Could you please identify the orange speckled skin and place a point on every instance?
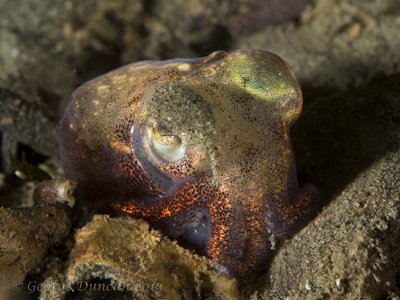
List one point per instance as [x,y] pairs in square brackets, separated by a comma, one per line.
[236,188]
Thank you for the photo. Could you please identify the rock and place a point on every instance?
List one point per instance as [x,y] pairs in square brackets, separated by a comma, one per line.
[350,251]
[254,15]
[137,260]
[26,123]
[25,236]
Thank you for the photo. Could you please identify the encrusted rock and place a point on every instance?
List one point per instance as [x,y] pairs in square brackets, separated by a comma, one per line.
[133,258]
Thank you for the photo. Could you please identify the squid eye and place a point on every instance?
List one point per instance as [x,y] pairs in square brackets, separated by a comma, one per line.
[167,146]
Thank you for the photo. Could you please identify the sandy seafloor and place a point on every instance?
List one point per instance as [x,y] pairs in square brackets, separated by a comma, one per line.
[346,55]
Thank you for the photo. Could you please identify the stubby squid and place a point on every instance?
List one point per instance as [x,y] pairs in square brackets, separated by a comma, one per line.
[198,147]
